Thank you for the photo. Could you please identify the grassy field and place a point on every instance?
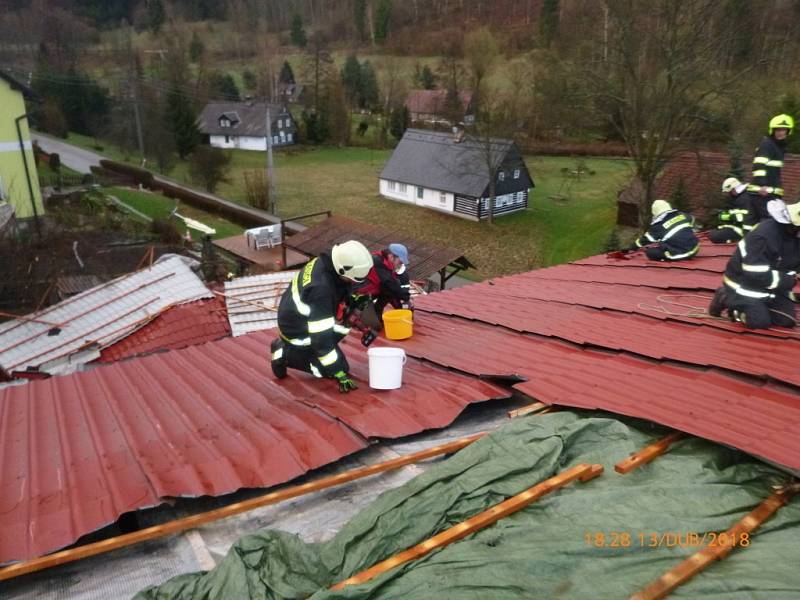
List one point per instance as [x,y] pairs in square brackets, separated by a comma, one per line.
[156,206]
[568,217]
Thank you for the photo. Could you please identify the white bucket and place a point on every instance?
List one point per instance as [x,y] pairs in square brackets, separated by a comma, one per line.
[386,368]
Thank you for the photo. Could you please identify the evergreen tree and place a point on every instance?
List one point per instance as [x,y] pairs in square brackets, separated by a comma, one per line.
[424,77]
[383,17]
[368,97]
[613,242]
[399,121]
[548,21]
[286,74]
[334,115]
[82,102]
[249,79]
[360,19]
[196,48]
[351,79]
[224,86]
[155,15]
[182,120]
[298,35]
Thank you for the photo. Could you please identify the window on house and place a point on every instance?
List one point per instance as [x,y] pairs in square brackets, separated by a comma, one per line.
[227,139]
[420,192]
[274,139]
[402,188]
[501,176]
[288,137]
[442,198]
[391,186]
[280,123]
[224,123]
[516,173]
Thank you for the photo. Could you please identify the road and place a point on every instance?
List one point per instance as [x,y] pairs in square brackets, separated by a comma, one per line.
[71,156]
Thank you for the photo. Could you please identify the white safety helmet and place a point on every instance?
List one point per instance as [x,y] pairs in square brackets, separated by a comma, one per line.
[660,207]
[730,184]
[352,260]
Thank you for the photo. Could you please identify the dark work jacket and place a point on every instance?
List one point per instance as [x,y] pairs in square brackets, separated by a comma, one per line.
[765,261]
[382,280]
[673,230]
[742,214]
[767,165]
[307,312]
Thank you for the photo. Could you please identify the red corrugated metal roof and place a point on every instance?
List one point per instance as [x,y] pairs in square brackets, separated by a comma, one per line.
[178,327]
[607,341]
[79,450]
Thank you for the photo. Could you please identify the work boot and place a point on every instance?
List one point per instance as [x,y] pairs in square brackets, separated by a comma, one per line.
[719,302]
[279,362]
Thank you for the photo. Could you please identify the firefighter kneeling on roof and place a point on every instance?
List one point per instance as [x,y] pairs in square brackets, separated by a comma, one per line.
[309,335]
[672,230]
[762,271]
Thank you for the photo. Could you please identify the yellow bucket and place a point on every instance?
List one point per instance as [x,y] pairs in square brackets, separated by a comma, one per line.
[399,324]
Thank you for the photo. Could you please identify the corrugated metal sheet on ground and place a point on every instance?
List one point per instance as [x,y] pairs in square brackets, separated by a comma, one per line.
[79,450]
[757,417]
[425,259]
[101,315]
[264,290]
[185,325]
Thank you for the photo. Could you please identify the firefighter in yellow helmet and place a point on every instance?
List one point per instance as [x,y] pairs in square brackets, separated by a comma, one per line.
[308,332]
[768,160]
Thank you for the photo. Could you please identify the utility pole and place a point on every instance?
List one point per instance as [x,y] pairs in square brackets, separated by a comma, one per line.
[273,200]
[134,89]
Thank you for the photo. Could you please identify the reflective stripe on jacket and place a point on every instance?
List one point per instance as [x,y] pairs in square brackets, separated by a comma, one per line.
[307,313]
[767,165]
[764,262]
[672,229]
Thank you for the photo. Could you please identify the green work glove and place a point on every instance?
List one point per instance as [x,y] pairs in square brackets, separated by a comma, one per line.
[346,384]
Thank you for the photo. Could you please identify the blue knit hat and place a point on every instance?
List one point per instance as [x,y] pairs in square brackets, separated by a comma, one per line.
[400,252]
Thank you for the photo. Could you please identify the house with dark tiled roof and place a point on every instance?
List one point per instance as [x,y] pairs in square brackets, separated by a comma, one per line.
[430,106]
[450,173]
[697,177]
[243,125]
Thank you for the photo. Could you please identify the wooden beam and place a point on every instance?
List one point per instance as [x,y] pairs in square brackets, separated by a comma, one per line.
[536,407]
[722,545]
[582,472]
[648,453]
[158,531]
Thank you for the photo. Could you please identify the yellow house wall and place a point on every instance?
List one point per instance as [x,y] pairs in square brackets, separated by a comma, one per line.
[13,184]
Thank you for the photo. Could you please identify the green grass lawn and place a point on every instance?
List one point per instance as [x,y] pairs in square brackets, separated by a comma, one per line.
[567,218]
[157,206]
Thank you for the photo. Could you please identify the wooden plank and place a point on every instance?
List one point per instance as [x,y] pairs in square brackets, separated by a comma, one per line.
[648,453]
[723,545]
[536,407]
[158,531]
[582,472]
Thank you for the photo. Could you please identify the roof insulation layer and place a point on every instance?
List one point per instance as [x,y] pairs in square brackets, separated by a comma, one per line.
[244,314]
[77,451]
[185,325]
[99,316]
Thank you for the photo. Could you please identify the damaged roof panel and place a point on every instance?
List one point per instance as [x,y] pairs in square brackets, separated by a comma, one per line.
[79,450]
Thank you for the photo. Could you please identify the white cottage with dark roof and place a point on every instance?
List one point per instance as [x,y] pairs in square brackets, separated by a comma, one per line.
[244,125]
[450,173]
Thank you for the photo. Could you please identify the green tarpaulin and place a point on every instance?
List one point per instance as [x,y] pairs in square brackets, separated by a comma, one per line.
[558,547]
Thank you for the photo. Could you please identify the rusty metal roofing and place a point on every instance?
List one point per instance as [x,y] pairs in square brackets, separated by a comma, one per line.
[97,317]
[633,340]
[76,451]
[426,259]
[185,325]
[245,295]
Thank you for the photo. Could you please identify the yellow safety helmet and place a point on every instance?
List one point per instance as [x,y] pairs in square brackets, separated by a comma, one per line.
[660,206]
[781,122]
